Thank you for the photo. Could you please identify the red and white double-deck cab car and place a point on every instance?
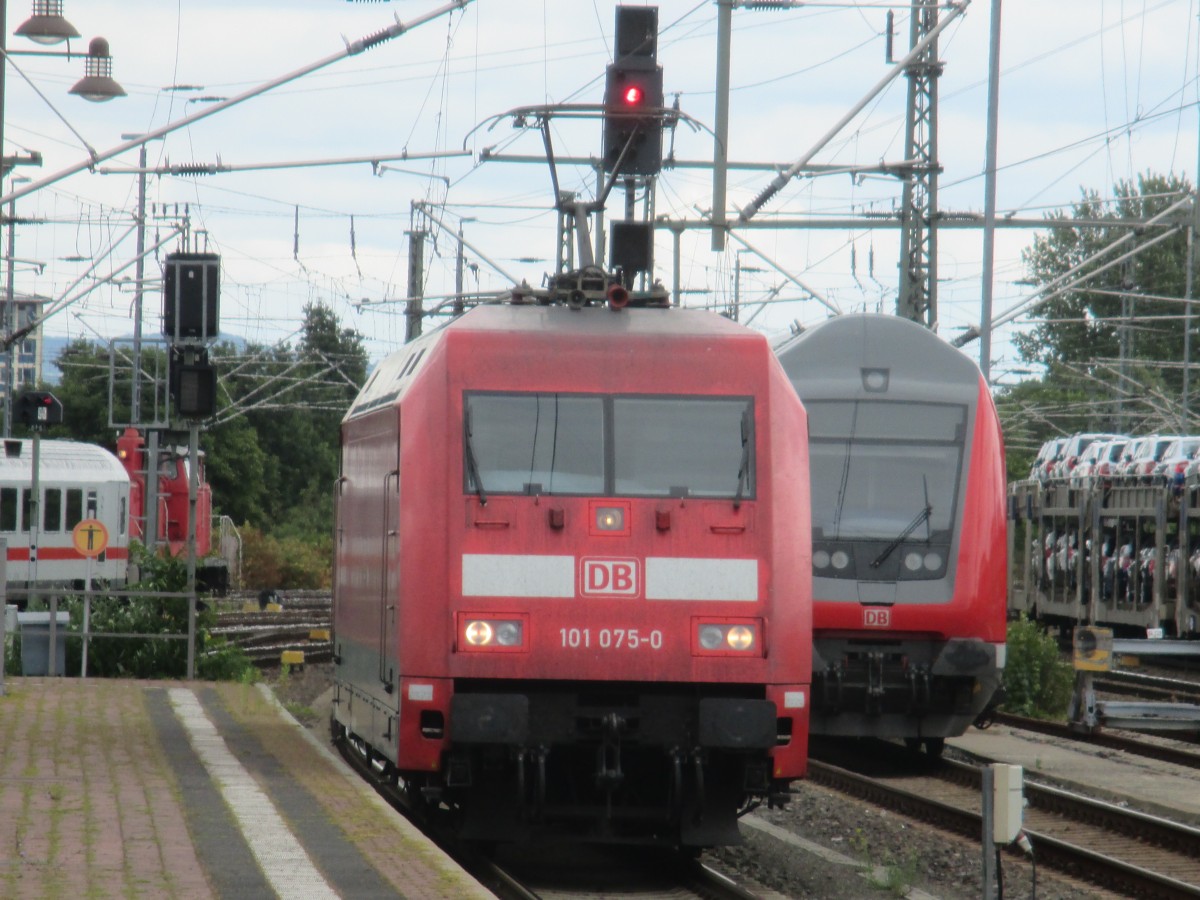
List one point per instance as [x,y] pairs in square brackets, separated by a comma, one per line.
[909,546]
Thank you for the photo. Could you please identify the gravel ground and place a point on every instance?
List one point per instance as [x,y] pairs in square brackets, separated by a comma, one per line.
[885,855]
[872,852]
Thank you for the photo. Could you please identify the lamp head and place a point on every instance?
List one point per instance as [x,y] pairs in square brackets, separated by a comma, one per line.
[97,84]
[47,26]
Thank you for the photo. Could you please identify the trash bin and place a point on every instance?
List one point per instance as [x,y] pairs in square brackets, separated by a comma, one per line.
[35,642]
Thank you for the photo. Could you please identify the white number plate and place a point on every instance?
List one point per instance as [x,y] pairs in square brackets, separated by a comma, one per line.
[610,638]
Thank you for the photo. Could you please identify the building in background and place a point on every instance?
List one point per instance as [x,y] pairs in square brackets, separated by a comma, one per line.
[28,362]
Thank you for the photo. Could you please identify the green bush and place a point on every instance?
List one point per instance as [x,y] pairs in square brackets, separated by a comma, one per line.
[12,658]
[1037,682]
[285,563]
[114,657]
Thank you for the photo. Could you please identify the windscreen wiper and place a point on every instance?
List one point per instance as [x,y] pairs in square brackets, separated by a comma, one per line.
[744,465]
[472,466]
[922,516]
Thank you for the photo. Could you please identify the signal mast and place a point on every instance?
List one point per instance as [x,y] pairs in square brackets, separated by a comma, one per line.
[634,119]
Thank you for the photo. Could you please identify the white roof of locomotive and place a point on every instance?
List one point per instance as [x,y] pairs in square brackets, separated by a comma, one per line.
[59,461]
[509,321]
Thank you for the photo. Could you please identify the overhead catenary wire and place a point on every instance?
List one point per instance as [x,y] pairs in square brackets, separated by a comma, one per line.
[351,49]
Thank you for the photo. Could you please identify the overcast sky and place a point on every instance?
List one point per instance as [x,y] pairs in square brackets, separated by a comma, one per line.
[1093,91]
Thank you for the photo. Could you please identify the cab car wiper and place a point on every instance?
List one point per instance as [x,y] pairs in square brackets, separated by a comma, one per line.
[922,516]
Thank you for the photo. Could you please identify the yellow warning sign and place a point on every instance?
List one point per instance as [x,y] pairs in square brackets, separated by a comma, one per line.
[1093,649]
[90,537]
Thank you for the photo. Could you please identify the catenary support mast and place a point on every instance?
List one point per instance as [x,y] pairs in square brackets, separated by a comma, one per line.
[918,239]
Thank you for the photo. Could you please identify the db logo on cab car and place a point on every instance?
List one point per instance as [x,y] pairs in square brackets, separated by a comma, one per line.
[609,578]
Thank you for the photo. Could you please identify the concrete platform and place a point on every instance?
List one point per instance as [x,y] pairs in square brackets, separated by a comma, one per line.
[1155,787]
[191,790]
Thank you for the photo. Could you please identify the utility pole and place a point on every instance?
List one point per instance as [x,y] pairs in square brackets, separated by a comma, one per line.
[416,279]
[1123,343]
[459,264]
[918,239]
[10,308]
[721,122]
[989,196]
[1189,293]
[135,400]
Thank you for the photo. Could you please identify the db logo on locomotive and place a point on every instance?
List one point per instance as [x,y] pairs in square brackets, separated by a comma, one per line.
[609,577]
[877,617]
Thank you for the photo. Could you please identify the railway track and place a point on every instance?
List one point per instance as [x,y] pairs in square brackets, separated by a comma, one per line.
[299,627]
[572,872]
[1125,742]
[1117,848]
[1148,687]
[590,873]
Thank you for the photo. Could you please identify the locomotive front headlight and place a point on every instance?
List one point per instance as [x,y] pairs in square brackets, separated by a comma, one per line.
[482,632]
[912,561]
[933,561]
[728,637]
[740,637]
[840,559]
[820,559]
[508,634]
[478,634]
[610,518]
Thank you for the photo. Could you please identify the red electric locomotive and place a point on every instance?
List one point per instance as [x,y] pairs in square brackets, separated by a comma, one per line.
[909,549]
[572,585]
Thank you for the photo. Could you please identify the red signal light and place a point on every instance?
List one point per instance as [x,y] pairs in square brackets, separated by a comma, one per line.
[633,95]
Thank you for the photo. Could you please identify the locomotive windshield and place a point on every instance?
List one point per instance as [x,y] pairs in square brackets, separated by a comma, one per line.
[876,465]
[608,445]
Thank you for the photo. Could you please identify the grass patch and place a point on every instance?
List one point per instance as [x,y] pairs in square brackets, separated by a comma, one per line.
[305,715]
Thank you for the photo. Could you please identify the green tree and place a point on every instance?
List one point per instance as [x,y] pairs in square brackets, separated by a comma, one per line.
[310,388]
[1112,346]
[271,450]
[1085,327]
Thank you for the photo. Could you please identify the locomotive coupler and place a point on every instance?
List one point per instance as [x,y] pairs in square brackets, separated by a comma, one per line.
[698,770]
[539,799]
[522,805]
[676,806]
[918,679]
[874,696]
[831,687]
[608,756]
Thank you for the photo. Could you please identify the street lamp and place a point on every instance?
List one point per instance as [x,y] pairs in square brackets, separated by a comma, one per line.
[97,84]
[47,25]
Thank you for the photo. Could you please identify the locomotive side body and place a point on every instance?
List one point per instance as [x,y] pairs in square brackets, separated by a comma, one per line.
[566,570]
[75,482]
[909,532]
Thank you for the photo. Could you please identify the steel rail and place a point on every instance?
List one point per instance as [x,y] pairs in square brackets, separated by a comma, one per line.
[1061,855]
[1123,742]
